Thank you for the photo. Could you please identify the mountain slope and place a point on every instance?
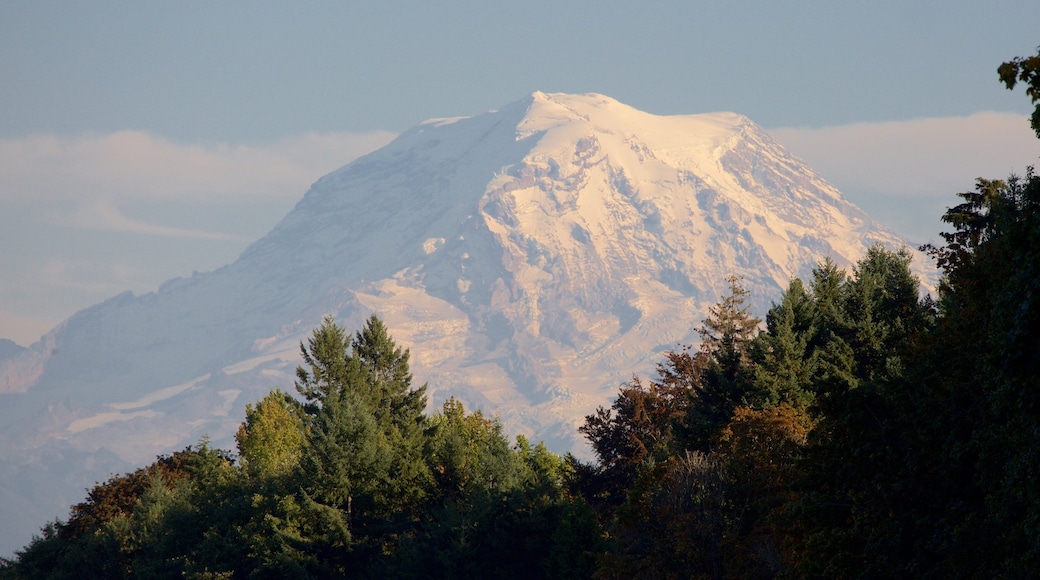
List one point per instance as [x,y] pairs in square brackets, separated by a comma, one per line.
[533,258]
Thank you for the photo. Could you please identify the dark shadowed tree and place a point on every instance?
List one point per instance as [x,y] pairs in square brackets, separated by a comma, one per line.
[1027,71]
[726,375]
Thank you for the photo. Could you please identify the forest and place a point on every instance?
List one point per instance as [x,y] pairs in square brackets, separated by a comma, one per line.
[855,430]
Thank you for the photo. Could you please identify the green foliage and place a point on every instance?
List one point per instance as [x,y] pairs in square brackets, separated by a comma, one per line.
[369,378]
[118,495]
[701,464]
[497,508]
[270,441]
[468,453]
[784,368]
[989,305]
[724,384]
[798,450]
[364,454]
[38,559]
[928,468]
[353,481]
[344,456]
[361,472]
[153,522]
[328,366]
[1026,70]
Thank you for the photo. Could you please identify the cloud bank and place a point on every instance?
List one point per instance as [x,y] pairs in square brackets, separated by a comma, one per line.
[920,157]
[905,174]
[90,176]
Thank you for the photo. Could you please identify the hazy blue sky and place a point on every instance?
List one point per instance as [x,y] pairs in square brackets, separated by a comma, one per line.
[142,141]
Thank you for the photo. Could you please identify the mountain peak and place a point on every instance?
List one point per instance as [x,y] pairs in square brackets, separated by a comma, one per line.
[546,111]
[532,258]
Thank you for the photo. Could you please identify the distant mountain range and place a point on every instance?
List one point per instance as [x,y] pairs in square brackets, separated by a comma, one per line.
[533,258]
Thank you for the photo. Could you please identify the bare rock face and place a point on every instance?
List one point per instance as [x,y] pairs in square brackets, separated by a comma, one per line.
[532,258]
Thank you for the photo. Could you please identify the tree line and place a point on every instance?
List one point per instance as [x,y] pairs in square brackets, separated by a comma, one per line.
[859,430]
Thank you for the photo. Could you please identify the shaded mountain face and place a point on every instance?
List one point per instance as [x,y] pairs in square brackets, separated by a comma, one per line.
[532,258]
[9,349]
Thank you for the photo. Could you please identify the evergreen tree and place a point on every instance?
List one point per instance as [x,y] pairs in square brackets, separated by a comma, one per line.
[340,485]
[345,461]
[498,510]
[398,410]
[784,367]
[985,432]
[389,393]
[469,455]
[726,377]
[344,457]
[882,302]
[864,328]
[363,390]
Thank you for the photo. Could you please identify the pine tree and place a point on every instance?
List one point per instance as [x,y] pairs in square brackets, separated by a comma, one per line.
[362,468]
[865,329]
[371,376]
[325,355]
[389,393]
[726,379]
[784,367]
[882,300]
[987,401]
[398,410]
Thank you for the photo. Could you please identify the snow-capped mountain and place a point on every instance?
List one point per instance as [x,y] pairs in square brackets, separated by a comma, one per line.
[533,258]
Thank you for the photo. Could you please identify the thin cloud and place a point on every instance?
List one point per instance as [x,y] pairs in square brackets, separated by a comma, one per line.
[920,157]
[103,215]
[133,165]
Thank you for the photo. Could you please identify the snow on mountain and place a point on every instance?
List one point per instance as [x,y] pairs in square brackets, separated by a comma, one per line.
[532,258]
